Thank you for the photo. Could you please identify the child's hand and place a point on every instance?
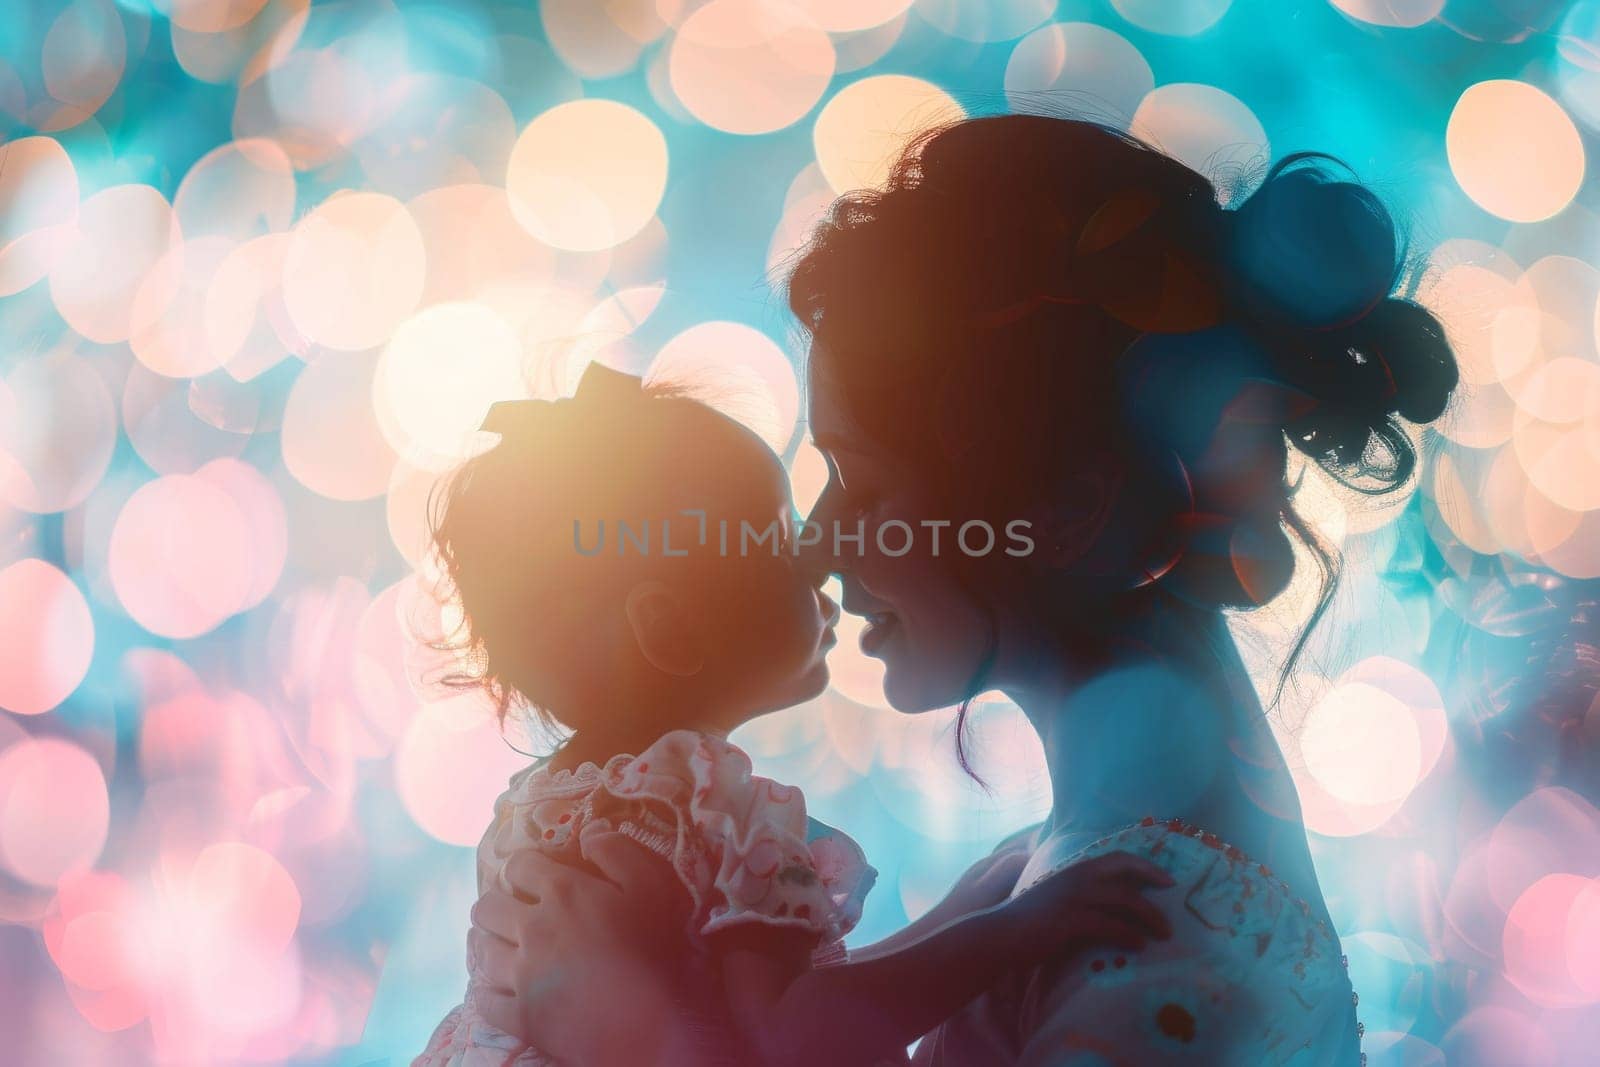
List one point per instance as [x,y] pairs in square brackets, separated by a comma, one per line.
[985,884]
[1099,901]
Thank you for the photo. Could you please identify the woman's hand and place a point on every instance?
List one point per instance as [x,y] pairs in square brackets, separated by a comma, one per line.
[1099,901]
[557,948]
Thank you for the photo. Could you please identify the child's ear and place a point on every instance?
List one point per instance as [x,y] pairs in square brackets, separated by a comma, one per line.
[666,635]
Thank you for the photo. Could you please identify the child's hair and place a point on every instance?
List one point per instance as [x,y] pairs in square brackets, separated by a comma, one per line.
[505,526]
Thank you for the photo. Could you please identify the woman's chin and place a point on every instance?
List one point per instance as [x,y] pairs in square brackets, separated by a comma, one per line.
[910,698]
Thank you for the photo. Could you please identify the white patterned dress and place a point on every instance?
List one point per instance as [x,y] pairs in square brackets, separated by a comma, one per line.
[1250,977]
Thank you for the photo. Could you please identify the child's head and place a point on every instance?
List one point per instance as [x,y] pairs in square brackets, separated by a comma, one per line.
[575,548]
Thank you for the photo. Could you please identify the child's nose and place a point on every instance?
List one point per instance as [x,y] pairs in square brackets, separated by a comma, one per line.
[820,550]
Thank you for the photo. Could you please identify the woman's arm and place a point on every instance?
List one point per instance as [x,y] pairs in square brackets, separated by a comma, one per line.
[870,1009]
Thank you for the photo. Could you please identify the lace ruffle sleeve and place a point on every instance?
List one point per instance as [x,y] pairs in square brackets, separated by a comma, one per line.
[742,845]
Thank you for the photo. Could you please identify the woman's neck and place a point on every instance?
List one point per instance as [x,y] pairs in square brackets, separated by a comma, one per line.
[1166,724]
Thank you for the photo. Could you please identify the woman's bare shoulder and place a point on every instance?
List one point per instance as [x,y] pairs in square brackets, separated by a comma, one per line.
[1026,838]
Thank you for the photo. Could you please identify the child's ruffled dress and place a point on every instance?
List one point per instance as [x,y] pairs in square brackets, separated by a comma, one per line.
[742,846]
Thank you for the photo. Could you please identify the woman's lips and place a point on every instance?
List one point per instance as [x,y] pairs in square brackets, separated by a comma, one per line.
[880,627]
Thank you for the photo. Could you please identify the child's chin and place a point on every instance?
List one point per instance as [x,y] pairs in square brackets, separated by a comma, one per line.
[812,685]
[808,686]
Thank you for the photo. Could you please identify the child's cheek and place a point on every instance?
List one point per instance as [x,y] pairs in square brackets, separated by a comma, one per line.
[805,621]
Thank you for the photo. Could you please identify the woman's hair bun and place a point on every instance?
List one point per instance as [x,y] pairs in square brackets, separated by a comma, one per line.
[1310,250]
[1408,347]
[1312,259]
[1394,361]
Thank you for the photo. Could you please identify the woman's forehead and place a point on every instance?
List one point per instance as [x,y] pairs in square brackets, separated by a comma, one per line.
[836,434]
[836,427]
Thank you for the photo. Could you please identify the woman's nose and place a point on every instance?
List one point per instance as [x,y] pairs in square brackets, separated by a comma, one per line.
[830,608]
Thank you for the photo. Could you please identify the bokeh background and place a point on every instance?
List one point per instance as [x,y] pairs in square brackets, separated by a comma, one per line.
[264,263]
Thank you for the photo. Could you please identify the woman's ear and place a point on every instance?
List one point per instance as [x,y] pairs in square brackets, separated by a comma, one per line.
[1067,527]
[664,630]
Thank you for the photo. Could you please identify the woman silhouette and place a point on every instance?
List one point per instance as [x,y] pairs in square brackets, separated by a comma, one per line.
[1045,319]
